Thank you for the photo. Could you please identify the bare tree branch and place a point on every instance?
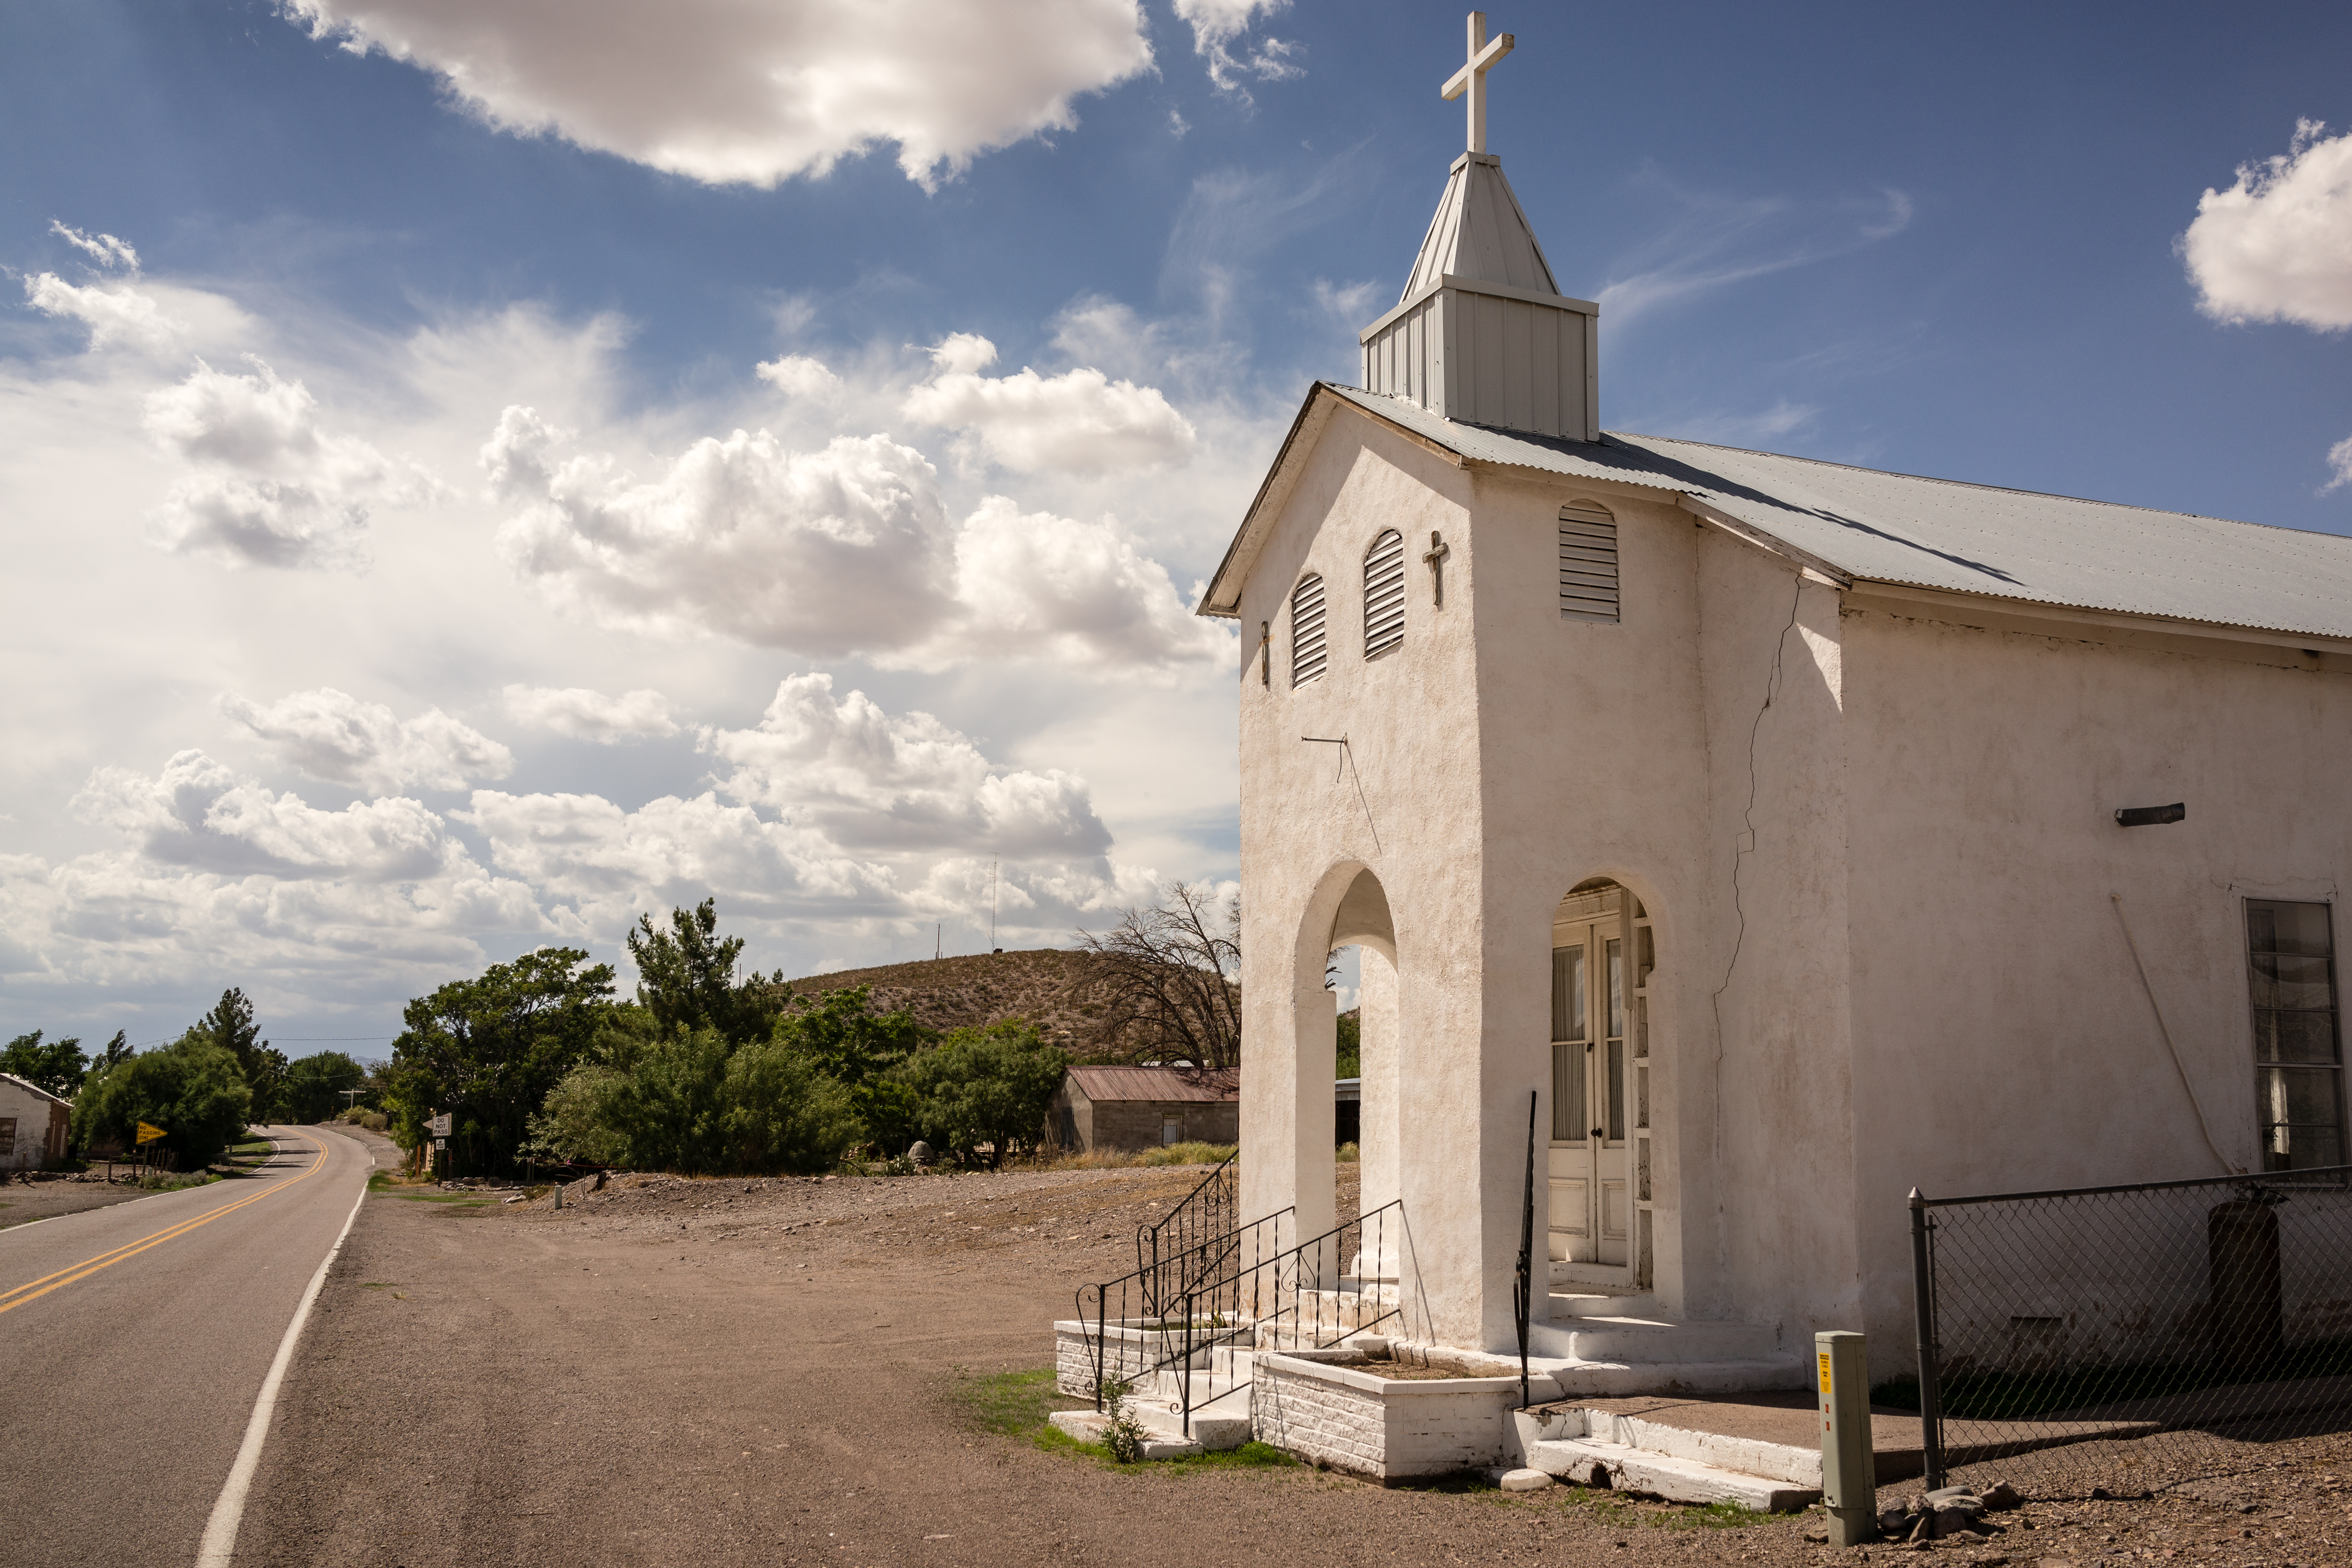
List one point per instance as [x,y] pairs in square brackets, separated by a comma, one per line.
[1171,979]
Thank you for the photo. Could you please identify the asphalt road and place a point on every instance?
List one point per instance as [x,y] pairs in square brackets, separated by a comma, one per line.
[133,1340]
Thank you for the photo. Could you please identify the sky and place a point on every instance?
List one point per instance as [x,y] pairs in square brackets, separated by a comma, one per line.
[473,473]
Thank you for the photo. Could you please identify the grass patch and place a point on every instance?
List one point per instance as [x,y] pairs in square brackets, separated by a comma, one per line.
[463,1200]
[1015,1404]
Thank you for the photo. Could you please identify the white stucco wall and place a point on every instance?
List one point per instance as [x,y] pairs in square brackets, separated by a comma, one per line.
[1403,802]
[1504,756]
[1878,873]
[2009,1045]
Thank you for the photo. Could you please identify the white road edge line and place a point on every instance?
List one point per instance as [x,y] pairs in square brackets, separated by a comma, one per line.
[219,1544]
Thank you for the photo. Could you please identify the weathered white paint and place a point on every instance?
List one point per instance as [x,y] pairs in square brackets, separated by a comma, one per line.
[40,1119]
[1920,980]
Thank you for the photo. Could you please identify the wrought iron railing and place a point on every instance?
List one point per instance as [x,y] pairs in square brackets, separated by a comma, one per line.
[1184,1245]
[1247,1291]
[2131,1338]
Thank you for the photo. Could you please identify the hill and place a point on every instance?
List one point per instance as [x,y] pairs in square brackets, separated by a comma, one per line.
[1054,989]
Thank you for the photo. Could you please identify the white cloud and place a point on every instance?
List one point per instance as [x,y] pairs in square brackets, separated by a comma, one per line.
[102,248]
[268,485]
[1075,592]
[1079,422]
[1218,25]
[218,876]
[797,375]
[588,715]
[1722,240]
[731,93]
[115,313]
[869,780]
[1352,305]
[822,551]
[2277,245]
[847,549]
[337,739]
[198,813]
[2340,461]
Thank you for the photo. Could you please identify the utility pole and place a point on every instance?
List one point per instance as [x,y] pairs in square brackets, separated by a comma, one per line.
[992,909]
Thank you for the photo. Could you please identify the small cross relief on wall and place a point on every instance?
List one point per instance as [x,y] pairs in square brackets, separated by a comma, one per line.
[1435,556]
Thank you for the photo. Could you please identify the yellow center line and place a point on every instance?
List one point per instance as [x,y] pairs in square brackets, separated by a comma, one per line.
[13,1298]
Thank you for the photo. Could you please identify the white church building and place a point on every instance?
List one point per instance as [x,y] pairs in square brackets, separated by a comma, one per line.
[1795,834]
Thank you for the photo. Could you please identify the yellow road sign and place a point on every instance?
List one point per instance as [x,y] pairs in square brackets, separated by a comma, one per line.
[149,1132]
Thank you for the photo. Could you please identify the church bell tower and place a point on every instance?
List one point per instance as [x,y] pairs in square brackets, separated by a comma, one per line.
[1482,333]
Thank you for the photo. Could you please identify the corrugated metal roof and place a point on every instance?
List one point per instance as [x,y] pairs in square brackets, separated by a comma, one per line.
[1100,1084]
[1955,536]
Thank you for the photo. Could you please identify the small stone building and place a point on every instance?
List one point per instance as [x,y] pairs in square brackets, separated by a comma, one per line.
[1124,1108]
[33,1125]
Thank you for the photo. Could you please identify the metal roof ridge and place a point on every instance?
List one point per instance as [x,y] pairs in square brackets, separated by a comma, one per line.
[1632,435]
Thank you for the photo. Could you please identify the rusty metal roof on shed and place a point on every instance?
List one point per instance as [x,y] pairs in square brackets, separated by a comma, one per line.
[1864,525]
[1158,1084]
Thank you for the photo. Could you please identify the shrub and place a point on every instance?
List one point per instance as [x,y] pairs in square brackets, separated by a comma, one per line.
[192,1088]
[687,1102]
[987,1086]
[782,1114]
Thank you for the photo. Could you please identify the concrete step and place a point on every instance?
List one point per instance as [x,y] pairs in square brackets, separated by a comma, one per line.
[1086,1426]
[1617,1379]
[1589,1461]
[1212,1397]
[1593,1304]
[1797,1466]
[1625,1339]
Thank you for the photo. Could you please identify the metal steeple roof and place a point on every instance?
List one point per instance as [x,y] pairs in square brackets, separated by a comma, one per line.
[1479,232]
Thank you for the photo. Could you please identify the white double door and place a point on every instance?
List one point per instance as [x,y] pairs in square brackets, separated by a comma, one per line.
[1592,1202]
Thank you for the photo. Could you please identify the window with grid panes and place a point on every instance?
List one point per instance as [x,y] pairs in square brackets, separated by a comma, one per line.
[2298,1047]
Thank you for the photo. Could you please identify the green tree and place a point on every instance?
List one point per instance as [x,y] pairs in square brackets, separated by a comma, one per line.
[57,1066]
[117,1050]
[1352,1044]
[230,1025]
[686,977]
[859,1049]
[489,1049]
[315,1085]
[850,1043]
[987,1087]
[192,1088]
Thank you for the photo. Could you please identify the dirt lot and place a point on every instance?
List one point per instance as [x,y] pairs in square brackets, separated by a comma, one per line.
[23,1202]
[849,1372]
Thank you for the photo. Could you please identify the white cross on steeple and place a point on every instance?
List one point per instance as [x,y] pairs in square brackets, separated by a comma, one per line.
[1472,78]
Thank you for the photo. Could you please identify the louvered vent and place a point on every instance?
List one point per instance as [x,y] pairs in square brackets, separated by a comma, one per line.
[1306,631]
[1587,564]
[1384,595]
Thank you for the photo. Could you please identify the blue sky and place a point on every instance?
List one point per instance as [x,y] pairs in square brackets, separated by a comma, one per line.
[347,520]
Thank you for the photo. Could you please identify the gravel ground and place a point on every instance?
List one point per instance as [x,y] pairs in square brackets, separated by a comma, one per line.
[23,1202]
[713,1371]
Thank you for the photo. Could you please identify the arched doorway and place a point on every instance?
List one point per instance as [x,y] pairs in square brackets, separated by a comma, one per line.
[1364,922]
[1603,949]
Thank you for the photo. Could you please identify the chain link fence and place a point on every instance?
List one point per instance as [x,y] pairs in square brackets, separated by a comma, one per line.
[2116,1340]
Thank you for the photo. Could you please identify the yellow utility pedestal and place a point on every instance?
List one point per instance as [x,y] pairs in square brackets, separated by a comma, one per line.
[1849,1477]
